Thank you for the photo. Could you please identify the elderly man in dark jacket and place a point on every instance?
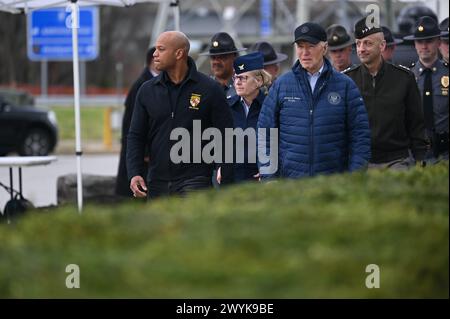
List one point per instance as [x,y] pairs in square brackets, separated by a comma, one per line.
[149,72]
[180,99]
[319,112]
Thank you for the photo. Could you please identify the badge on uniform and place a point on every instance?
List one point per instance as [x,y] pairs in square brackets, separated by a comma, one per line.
[194,101]
[444,83]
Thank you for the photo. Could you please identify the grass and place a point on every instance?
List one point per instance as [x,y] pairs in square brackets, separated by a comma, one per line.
[92,123]
[309,238]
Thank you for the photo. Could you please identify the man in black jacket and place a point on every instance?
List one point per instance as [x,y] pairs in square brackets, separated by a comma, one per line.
[392,100]
[179,99]
[149,72]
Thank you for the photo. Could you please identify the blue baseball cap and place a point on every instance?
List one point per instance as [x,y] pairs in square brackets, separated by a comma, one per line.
[249,62]
[310,32]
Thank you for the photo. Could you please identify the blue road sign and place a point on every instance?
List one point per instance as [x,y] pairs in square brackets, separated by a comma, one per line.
[265,9]
[50,34]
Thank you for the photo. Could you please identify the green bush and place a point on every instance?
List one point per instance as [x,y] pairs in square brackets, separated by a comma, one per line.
[286,239]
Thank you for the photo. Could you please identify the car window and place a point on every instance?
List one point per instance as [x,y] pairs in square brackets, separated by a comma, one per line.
[17,98]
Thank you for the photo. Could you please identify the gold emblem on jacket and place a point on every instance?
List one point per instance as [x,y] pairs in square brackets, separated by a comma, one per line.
[194,101]
[444,83]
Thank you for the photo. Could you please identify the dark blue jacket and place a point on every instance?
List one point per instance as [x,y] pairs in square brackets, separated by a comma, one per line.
[320,132]
[161,107]
[247,169]
[122,181]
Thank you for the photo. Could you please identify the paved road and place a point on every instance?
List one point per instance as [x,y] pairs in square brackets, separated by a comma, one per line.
[39,183]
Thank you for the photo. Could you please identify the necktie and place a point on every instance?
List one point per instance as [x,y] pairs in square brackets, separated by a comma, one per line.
[428,100]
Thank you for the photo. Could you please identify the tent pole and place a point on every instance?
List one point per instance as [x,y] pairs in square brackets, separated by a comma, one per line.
[176,14]
[76,85]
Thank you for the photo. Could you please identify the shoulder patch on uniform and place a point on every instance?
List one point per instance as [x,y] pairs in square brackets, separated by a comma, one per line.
[402,67]
[353,67]
[405,67]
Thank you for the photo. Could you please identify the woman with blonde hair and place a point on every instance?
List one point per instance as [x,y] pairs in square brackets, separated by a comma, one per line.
[251,83]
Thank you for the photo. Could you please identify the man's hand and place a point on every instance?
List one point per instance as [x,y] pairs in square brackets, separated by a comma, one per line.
[219,176]
[138,187]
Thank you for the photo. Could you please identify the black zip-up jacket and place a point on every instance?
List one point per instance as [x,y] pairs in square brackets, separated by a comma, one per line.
[394,107]
[161,107]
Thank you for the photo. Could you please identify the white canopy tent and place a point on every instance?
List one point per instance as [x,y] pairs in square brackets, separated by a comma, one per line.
[25,6]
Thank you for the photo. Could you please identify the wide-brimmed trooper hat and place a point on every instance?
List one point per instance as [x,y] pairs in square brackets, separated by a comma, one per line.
[443,26]
[337,37]
[426,28]
[269,53]
[222,43]
[390,40]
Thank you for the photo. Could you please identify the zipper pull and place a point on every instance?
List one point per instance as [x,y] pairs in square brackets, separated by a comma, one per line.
[172,115]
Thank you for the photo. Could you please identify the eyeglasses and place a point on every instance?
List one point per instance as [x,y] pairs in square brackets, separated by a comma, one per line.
[241,78]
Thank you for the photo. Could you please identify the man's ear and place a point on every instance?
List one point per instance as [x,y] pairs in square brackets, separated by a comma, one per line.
[325,48]
[383,45]
[179,54]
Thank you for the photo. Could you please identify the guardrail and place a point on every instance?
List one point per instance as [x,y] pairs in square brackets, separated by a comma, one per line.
[85,100]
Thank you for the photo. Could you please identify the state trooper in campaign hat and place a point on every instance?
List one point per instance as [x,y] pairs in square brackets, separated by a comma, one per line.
[391,44]
[222,52]
[433,81]
[392,100]
[272,58]
[339,47]
[222,43]
[426,28]
[338,38]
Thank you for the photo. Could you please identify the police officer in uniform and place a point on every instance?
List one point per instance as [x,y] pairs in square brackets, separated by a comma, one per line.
[433,81]
[339,47]
[222,53]
[392,100]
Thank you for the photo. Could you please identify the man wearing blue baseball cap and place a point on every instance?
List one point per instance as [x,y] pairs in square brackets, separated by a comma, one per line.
[319,113]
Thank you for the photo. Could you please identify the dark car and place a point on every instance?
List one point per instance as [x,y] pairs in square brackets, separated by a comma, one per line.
[25,129]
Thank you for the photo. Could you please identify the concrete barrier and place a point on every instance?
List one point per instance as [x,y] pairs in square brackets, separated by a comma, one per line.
[97,189]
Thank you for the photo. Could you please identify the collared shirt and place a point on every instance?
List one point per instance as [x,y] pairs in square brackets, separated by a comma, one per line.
[312,78]
[440,82]
[245,106]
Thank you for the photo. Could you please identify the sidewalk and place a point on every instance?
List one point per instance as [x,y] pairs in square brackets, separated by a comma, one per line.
[88,147]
